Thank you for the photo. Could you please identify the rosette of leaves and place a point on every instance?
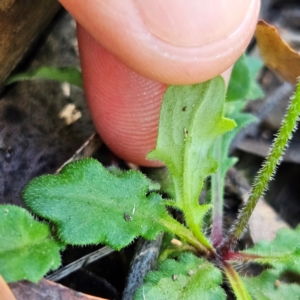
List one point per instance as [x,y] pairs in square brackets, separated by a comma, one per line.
[88,204]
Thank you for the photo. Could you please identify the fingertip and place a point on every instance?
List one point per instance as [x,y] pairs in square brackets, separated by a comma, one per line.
[125,100]
[120,27]
[124,105]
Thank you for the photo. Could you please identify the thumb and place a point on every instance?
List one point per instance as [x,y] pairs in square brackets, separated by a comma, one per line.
[131,49]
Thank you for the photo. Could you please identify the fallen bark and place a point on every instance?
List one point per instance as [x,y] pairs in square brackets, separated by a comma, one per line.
[21,21]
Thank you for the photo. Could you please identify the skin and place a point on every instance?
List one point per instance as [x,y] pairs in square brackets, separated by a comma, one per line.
[131,50]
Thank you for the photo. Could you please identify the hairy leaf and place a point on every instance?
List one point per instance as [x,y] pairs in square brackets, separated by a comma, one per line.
[191,119]
[27,249]
[189,278]
[69,74]
[269,285]
[91,205]
[153,186]
[283,253]
[163,177]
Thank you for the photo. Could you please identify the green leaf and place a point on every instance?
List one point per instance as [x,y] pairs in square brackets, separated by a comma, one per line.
[268,285]
[283,253]
[254,66]
[27,249]
[91,205]
[68,74]
[154,186]
[232,111]
[191,119]
[239,83]
[221,154]
[162,176]
[243,84]
[189,278]
[238,287]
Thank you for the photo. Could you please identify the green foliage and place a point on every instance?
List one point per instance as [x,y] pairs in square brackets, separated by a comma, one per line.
[221,149]
[268,168]
[68,74]
[269,285]
[189,278]
[283,253]
[242,87]
[242,84]
[163,177]
[27,249]
[254,66]
[239,83]
[91,205]
[236,283]
[234,105]
[191,119]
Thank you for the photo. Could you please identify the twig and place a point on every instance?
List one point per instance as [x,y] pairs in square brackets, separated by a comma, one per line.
[79,263]
[92,144]
[143,261]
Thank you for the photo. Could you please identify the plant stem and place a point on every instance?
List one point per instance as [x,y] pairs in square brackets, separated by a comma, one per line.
[195,228]
[217,191]
[184,233]
[236,283]
[267,171]
[190,209]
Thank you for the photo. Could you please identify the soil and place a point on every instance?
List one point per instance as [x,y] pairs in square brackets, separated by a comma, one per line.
[34,140]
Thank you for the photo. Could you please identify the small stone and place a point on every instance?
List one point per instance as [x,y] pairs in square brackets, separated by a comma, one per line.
[174,277]
[191,272]
[176,242]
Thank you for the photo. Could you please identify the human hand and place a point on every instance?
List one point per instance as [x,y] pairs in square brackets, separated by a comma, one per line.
[131,49]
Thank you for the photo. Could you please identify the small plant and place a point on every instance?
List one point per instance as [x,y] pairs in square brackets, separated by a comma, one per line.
[88,204]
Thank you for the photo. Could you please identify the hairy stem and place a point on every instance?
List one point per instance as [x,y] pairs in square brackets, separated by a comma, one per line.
[236,283]
[267,171]
[217,191]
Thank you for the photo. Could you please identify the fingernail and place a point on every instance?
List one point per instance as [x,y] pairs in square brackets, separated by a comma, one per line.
[192,22]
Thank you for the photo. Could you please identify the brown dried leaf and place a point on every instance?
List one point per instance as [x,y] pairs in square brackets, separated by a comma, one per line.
[44,290]
[277,54]
[5,292]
